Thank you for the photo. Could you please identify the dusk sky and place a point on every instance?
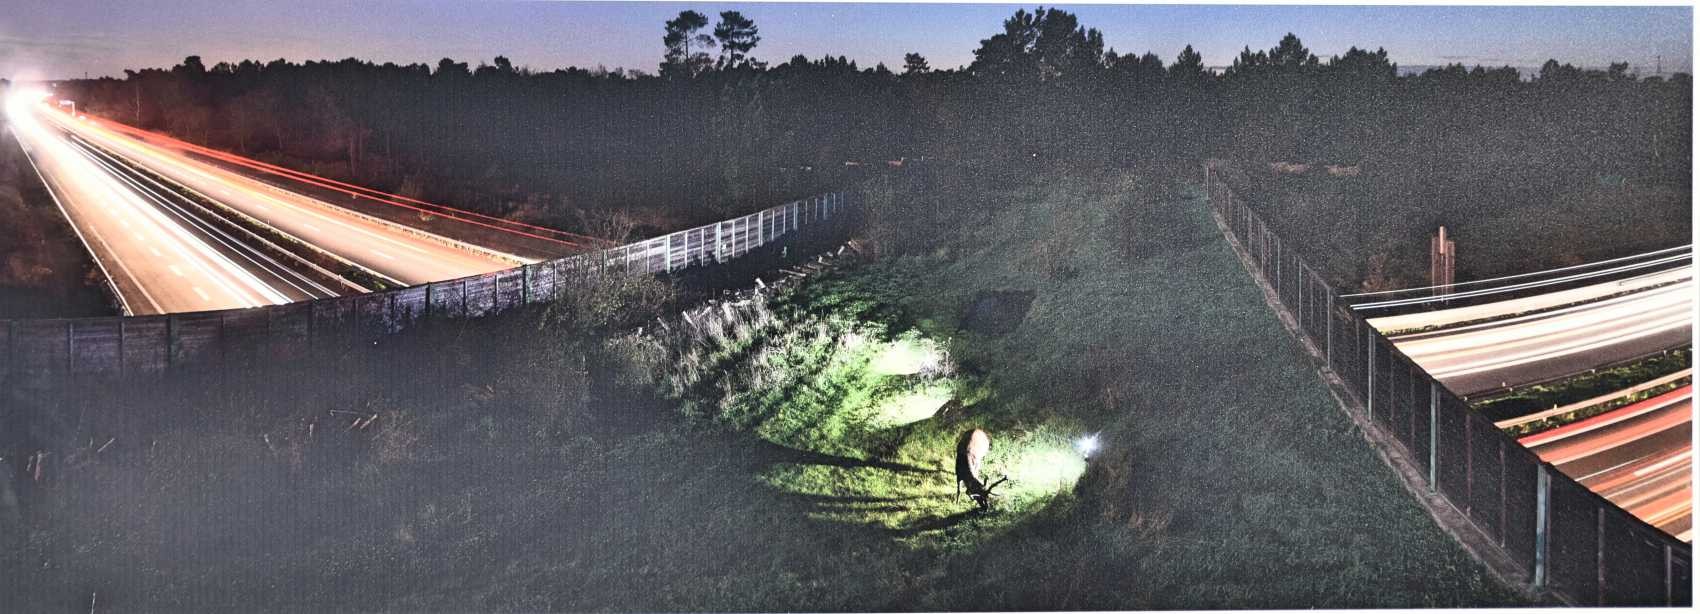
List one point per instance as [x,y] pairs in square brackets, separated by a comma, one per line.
[67,38]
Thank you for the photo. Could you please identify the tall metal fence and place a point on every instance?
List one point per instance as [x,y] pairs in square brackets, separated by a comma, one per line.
[1566,538]
[49,350]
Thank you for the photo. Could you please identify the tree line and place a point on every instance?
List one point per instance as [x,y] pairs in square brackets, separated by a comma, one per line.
[714,130]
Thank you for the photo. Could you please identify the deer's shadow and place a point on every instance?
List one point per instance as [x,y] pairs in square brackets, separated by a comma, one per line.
[904,500]
[775,453]
[936,523]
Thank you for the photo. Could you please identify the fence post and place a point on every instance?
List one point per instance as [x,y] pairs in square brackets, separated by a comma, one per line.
[1600,555]
[1543,521]
[1369,387]
[1469,463]
[171,338]
[70,348]
[1669,595]
[274,339]
[1433,437]
[1328,332]
[1299,289]
[1504,500]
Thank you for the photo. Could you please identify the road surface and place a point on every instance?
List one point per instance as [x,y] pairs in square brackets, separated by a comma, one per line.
[1638,457]
[1531,304]
[1532,348]
[156,262]
[403,256]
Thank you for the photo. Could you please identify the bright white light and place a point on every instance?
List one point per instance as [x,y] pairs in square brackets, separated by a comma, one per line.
[908,356]
[21,97]
[1087,445]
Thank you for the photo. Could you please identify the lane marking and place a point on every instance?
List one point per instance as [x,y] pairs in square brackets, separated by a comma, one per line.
[167,229]
[54,194]
[203,294]
[111,161]
[383,254]
[156,253]
[306,208]
[182,169]
[176,271]
[1664,464]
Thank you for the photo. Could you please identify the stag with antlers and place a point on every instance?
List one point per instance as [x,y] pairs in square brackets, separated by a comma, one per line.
[971,450]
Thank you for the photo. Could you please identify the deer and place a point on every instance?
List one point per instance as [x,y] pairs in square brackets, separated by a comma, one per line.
[971,449]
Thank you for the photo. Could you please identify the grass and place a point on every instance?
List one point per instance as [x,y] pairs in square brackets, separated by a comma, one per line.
[776,456]
[1539,397]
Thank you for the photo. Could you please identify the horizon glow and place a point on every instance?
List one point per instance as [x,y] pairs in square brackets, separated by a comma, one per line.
[67,39]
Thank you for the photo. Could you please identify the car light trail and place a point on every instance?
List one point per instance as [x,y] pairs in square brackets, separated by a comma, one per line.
[1658,252]
[1657,263]
[162,198]
[1622,415]
[1638,457]
[1558,411]
[82,189]
[1541,346]
[410,257]
[571,240]
[1530,304]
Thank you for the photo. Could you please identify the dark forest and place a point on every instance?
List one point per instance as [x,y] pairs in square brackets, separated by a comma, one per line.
[714,131]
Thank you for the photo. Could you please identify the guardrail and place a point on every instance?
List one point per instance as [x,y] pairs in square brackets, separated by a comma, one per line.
[1565,538]
[33,352]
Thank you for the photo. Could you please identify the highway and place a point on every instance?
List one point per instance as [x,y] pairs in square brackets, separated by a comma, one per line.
[508,236]
[1637,456]
[1604,398]
[1551,344]
[1530,304]
[405,257]
[156,262]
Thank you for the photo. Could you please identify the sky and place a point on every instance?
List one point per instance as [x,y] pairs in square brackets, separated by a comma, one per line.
[68,38]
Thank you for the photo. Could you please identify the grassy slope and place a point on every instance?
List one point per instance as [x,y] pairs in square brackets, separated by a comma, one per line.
[1215,422]
[493,481]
